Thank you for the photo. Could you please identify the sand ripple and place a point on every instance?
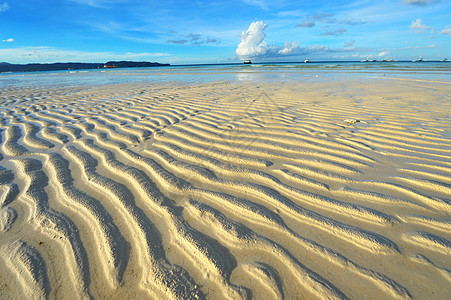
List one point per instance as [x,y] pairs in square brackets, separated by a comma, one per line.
[225,191]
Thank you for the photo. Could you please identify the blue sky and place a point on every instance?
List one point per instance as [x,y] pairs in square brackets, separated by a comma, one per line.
[198,31]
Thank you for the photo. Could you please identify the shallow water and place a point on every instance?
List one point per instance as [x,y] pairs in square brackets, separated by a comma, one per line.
[267,72]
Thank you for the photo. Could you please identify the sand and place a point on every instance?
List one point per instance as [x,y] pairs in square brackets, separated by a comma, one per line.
[310,190]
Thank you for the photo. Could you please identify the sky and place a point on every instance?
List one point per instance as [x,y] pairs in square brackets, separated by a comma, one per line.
[198,31]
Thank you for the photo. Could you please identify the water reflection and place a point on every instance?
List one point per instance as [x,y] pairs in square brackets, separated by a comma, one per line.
[240,73]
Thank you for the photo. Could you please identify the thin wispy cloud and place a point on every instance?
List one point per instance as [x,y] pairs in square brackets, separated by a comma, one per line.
[416,47]
[291,13]
[50,54]
[352,22]
[193,39]
[259,3]
[178,42]
[419,2]
[10,40]
[4,7]
[446,30]
[337,32]
[329,18]
[306,23]
[106,4]
[349,43]
[322,17]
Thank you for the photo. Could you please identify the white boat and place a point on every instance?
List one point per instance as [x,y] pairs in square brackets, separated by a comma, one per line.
[247,62]
[307,60]
[420,58]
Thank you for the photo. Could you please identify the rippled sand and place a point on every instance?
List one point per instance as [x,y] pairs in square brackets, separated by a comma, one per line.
[227,191]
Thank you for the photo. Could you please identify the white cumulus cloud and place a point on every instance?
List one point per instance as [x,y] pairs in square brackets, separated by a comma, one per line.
[10,40]
[252,41]
[289,48]
[383,53]
[418,26]
[253,45]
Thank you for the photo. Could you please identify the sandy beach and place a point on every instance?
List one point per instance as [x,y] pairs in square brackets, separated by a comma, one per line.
[326,189]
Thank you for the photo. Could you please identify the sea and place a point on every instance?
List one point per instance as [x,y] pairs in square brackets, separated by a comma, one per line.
[244,73]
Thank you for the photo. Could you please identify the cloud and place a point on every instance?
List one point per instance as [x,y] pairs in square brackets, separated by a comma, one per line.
[417,47]
[10,40]
[49,55]
[383,53]
[289,48]
[252,41]
[259,3]
[419,2]
[4,7]
[335,32]
[212,40]
[329,18]
[178,42]
[349,43]
[104,4]
[322,16]
[418,26]
[446,30]
[306,23]
[352,22]
[290,13]
[194,39]
[253,45]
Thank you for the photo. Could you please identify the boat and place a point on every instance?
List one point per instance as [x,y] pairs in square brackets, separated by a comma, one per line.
[109,66]
[307,60]
[247,62]
[445,59]
[420,58]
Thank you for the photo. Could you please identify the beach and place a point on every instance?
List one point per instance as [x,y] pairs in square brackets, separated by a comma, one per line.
[326,188]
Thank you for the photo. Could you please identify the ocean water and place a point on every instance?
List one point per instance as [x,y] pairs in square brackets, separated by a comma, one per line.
[259,72]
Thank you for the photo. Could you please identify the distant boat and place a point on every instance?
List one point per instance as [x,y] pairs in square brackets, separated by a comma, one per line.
[420,58]
[307,60]
[109,66]
[247,62]
[445,59]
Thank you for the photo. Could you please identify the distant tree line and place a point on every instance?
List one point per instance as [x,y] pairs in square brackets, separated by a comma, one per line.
[7,67]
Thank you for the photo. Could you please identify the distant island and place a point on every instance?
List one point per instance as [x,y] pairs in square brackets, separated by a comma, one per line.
[7,67]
